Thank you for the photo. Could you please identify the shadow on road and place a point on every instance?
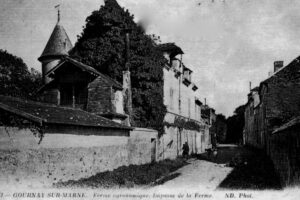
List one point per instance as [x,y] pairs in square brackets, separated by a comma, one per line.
[252,168]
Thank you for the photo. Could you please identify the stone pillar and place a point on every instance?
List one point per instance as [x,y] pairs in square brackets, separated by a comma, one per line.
[127,96]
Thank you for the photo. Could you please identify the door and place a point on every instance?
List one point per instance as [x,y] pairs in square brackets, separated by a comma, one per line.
[153,150]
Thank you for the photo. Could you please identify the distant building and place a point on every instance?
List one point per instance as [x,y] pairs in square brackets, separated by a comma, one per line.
[273,103]
[253,132]
[209,116]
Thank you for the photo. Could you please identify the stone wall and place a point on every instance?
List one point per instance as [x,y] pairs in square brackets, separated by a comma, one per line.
[171,142]
[100,96]
[62,157]
[143,145]
[283,95]
[285,154]
[280,102]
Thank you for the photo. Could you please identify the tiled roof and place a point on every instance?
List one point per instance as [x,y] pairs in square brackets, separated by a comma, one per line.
[281,70]
[51,114]
[58,44]
[88,69]
[186,68]
[170,47]
[78,64]
[255,89]
[113,115]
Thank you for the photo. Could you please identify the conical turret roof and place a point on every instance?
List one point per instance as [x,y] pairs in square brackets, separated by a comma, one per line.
[58,44]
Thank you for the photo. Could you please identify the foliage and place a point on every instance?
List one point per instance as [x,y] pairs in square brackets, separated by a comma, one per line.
[10,120]
[15,78]
[184,124]
[235,125]
[102,46]
[221,117]
[221,128]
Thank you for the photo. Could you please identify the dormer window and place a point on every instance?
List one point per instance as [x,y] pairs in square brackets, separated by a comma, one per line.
[187,78]
[175,63]
[194,87]
[177,74]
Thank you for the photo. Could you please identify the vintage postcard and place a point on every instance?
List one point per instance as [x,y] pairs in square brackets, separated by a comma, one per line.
[156,99]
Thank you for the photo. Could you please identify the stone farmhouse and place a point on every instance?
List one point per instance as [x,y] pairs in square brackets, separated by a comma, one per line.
[271,119]
[183,122]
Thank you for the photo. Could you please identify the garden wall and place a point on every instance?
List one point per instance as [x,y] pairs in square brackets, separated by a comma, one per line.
[62,157]
[142,146]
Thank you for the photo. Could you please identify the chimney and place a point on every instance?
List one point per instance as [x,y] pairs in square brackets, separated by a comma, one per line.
[250,86]
[127,93]
[277,65]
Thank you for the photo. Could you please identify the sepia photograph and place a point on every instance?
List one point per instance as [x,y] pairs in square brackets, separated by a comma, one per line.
[149,99]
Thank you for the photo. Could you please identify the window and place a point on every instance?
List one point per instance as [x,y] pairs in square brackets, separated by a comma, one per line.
[66,93]
[70,91]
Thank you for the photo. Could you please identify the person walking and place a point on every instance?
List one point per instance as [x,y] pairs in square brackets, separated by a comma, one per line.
[186,149]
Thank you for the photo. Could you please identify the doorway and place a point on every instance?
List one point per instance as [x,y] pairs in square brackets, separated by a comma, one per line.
[153,149]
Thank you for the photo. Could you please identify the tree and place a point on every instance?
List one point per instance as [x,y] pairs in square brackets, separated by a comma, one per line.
[221,128]
[235,125]
[102,46]
[15,78]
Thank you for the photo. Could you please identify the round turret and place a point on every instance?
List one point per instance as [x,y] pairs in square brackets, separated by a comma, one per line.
[57,47]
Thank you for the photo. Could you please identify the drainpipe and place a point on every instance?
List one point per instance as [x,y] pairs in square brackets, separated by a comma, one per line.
[180,80]
[73,96]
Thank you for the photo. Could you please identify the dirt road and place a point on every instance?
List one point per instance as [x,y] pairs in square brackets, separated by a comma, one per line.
[199,174]
[233,168]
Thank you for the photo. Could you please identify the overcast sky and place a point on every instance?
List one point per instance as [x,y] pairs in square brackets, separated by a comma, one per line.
[226,43]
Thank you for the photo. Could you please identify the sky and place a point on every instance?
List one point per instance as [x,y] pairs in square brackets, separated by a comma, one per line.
[226,43]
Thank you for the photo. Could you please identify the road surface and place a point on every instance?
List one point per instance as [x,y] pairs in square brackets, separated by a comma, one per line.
[233,168]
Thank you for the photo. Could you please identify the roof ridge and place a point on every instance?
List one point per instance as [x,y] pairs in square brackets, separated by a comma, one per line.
[111,79]
[19,112]
[41,112]
[38,102]
[101,74]
[281,69]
